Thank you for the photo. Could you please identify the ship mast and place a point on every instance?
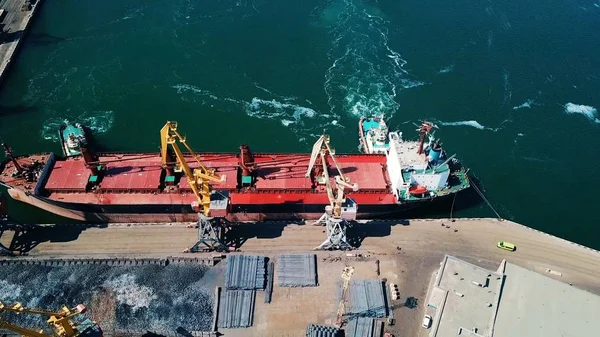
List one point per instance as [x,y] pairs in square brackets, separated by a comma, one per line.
[9,155]
[424,130]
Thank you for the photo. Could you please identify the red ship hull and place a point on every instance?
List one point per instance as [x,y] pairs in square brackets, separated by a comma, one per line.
[132,188]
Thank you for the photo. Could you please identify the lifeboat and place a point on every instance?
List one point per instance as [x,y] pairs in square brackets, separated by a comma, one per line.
[417,189]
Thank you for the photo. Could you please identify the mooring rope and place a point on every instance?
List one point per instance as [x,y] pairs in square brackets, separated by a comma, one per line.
[486,200]
[452,208]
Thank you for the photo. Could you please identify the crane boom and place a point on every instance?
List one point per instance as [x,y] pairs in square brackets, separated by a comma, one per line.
[20,330]
[198,178]
[321,150]
[60,321]
[346,276]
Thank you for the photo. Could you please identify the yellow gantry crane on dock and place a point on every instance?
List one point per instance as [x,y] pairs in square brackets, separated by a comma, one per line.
[211,230]
[199,178]
[63,323]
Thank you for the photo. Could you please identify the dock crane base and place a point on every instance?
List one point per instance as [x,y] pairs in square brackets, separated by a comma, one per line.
[336,234]
[211,234]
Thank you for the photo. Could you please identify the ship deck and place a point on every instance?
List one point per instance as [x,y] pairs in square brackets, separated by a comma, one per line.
[136,179]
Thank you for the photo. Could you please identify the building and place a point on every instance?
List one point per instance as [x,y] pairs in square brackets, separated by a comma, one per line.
[467,300]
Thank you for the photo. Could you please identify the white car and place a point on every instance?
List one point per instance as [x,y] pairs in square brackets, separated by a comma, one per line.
[426,322]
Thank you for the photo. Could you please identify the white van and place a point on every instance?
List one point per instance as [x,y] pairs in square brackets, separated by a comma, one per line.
[426,322]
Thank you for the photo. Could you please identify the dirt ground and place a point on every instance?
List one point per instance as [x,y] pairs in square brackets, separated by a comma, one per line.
[408,253]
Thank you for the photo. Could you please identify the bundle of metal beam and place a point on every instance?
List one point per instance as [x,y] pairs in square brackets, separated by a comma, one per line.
[269,289]
[322,331]
[246,272]
[236,308]
[362,327]
[366,299]
[298,270]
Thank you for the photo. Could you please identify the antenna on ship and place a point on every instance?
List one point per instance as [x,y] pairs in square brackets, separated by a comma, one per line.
[9,154]
[424,130]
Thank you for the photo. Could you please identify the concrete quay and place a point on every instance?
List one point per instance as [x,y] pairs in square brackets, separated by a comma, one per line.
[13,24]
[404,252]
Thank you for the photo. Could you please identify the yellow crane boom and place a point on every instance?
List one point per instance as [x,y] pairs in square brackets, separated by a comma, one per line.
[199,178]
[346,276]
[60,322]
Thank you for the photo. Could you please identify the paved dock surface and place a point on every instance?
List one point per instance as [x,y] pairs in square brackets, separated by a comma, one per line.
[14,23]
[407,253]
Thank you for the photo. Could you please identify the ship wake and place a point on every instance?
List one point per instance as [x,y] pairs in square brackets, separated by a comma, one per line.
[96,121]
[366,72]
[298,116]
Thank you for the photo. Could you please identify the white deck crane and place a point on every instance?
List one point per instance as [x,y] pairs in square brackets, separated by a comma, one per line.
[334,218]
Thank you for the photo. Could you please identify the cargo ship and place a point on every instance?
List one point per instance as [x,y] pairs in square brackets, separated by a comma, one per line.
[144,188]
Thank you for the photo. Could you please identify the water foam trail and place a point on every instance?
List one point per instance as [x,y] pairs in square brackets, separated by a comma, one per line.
[446,69]
[286,109]
[507,87]
[526,105]
[366,73]
[471,123]
[96,121]
[589,112]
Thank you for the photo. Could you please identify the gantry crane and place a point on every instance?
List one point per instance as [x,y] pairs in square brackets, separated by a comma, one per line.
[332,218]
[210,229]
[63,323]
[346,276]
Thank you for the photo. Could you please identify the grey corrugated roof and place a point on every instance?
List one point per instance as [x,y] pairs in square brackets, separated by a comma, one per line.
[236,309]
[245,272]
[297,270]
[366,299]
[360,327]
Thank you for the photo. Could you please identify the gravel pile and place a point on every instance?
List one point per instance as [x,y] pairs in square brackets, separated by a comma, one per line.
[145,298]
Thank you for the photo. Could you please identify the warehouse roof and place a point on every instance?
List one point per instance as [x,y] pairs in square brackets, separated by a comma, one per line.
[512,301]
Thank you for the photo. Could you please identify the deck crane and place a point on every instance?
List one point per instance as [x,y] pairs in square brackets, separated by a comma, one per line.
[210,229]
[334,218]
[66,322]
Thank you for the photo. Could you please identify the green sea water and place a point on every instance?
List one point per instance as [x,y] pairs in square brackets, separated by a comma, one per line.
[512,86]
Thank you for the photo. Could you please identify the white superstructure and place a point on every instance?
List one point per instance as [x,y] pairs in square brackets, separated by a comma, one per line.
[407,168]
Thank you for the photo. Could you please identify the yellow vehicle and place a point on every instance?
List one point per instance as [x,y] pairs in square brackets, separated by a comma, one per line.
[506,245]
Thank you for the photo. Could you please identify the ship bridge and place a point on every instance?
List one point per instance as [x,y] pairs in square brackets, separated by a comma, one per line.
[406,168]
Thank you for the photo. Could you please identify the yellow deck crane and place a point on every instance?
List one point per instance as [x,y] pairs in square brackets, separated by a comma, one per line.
[210,229]
[339,209]
[66,322]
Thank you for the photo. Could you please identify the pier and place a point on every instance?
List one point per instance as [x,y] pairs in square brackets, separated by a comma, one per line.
[14,21]
[403,252]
